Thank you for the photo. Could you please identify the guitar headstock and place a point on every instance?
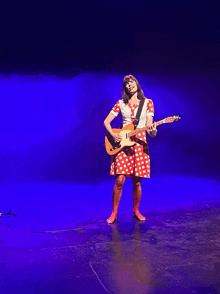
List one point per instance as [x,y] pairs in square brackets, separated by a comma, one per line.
[171,119]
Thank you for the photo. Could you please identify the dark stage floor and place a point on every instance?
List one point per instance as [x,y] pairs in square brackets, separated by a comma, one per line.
[46,249]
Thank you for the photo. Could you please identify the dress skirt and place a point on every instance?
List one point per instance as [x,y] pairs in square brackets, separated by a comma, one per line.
[134,160]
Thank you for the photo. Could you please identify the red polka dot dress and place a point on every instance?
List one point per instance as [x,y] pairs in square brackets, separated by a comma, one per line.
[134,160]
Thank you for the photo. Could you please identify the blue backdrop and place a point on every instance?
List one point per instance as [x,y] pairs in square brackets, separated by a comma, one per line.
[52,127]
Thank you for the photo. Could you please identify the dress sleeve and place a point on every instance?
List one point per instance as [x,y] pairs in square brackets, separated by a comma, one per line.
[116,109]
[150,108]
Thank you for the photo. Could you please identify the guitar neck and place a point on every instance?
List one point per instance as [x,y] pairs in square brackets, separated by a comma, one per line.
[133,133]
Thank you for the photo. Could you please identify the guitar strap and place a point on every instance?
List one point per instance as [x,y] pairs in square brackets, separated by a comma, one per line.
[137,118]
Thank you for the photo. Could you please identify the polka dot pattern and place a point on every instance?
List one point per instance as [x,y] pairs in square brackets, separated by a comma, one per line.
[150,107]
[135,160]
[132,161]
[116,108]
[129,111]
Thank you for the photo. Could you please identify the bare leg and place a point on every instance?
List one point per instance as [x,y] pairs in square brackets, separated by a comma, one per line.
[116,198]
[137,198]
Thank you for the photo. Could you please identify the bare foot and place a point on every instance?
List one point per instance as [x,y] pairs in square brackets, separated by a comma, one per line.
[112,218]
[139,216]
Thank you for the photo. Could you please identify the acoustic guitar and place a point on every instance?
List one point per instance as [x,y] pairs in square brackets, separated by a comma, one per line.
[127,133]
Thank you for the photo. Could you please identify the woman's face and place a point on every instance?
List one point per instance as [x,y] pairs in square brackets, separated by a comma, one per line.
[131,86]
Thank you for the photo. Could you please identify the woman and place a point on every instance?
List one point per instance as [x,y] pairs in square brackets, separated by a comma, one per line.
[131,161]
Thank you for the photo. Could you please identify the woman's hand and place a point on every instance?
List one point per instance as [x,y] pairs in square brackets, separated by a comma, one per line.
[152,130]
[117,137]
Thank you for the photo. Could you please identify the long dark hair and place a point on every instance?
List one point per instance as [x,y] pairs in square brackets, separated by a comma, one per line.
[126,95]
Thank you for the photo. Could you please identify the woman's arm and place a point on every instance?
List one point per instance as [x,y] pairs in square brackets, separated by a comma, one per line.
[107,121]
[153,129]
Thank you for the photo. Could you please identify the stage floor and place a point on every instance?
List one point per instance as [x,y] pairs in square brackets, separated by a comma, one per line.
[59,241]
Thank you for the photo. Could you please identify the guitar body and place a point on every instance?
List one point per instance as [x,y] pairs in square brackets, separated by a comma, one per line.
[113,147]
[128,132]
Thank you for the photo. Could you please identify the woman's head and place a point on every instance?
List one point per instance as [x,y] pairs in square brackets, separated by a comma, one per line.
[130,86]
